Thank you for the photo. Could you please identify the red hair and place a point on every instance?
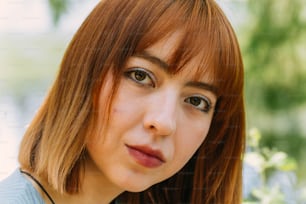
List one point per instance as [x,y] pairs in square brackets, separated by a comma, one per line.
[114,31]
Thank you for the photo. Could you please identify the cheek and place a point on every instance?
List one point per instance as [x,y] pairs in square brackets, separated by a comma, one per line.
[188,142]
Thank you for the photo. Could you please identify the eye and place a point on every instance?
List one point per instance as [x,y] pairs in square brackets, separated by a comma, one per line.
[199,102]
[141,76]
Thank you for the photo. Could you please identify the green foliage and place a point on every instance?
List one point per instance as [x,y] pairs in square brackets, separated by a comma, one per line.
[273,49]
[266,195]
[264,159]
[267,163]
[273,63]
[58,8]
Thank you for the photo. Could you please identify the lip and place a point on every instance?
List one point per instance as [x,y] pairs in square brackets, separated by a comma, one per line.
[146,156]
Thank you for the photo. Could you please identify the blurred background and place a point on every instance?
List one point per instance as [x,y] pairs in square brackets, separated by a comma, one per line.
[34,35]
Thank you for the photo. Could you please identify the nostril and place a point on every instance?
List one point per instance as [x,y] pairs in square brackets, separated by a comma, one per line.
[154,129]
[161,120]
[159,127]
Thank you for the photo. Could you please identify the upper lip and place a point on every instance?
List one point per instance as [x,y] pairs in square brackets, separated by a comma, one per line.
[149,151]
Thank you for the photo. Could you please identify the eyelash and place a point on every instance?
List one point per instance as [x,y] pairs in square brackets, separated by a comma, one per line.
[203,102]
[131,74]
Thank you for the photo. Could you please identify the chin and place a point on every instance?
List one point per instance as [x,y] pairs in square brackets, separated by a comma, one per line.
[137,188]
[135,185]
[135,181]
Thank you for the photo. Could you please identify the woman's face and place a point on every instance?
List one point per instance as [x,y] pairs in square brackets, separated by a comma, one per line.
[157,122]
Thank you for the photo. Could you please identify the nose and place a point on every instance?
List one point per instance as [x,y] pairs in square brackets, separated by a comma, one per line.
[161,115]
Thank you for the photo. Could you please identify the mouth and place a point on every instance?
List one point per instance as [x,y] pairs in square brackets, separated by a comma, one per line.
[146,156]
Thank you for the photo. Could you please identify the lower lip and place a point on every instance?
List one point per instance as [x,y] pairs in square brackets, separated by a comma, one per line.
[144,159]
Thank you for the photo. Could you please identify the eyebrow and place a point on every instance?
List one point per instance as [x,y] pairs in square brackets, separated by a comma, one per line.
[153,59]
[165,66]
[202,85]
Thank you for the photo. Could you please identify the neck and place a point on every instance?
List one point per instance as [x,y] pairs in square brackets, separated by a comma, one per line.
[95,189]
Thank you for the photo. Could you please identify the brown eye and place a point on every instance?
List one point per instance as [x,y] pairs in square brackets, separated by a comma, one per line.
[199,102]
[195,101]
[141,76]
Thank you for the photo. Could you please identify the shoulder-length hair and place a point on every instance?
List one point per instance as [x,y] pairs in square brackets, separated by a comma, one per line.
[54,145]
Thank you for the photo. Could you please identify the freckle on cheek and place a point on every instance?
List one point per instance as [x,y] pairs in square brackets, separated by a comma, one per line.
[119,110]
[116,110]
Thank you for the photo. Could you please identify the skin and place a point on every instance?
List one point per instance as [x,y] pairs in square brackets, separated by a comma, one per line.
[153,108]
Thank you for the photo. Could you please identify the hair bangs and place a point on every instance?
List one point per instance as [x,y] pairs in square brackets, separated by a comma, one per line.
[169,21]
[198,44]
[210,42]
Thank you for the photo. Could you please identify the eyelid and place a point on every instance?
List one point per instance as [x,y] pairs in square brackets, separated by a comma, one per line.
[148,72]
[203,97]
[206,100]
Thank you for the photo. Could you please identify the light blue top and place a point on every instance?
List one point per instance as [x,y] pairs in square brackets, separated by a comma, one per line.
[16,189]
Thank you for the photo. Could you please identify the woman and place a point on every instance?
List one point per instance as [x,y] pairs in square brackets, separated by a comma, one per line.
[147,108]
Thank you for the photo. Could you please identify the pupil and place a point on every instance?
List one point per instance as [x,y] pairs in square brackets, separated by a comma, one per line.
[140,75]
[195,101]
